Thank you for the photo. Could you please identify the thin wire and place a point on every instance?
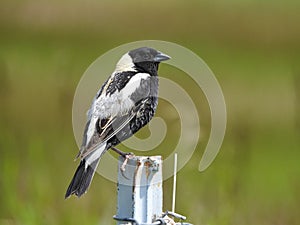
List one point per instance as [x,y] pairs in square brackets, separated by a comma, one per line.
[174,182]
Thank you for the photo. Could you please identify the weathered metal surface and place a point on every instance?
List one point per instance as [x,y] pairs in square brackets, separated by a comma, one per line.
[140,195]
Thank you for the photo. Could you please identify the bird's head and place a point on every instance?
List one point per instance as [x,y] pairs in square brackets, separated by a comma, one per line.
[143,59]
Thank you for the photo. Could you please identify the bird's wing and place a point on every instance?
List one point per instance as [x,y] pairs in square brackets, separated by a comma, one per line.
[107,129]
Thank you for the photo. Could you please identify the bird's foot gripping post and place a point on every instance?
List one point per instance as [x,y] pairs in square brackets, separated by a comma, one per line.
[140,193]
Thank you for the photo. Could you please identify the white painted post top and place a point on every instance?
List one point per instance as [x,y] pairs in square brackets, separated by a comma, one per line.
[140,195]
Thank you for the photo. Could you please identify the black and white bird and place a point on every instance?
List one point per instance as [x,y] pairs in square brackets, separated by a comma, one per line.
[125,103]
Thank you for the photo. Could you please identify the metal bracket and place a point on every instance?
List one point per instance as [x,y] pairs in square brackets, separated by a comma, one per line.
[175,215]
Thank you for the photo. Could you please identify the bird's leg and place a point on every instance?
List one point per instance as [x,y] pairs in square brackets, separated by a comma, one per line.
[118,151]
[126,155]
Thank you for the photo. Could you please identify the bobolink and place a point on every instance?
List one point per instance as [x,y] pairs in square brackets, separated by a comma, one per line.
[125,103]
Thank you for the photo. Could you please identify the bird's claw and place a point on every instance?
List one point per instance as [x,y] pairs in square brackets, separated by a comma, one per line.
[127,156]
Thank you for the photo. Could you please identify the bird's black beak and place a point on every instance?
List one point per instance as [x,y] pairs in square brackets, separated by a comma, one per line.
[161,57]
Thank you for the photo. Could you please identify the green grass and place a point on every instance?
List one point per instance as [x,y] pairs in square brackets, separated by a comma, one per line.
[252,48]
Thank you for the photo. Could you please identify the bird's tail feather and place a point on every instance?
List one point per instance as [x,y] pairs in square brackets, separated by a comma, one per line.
[82,178]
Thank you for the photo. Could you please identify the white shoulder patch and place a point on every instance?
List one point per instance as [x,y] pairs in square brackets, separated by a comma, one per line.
[133,84]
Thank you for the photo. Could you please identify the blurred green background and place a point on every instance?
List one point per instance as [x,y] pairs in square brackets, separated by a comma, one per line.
[253,47]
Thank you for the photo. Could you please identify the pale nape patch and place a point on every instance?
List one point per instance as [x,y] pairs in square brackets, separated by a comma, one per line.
[125,64]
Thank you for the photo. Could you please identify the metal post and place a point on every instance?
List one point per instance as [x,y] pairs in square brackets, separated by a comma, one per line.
[140,195]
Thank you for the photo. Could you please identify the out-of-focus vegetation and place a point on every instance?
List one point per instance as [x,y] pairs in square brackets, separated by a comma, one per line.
[253,48]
